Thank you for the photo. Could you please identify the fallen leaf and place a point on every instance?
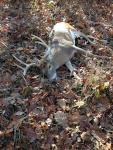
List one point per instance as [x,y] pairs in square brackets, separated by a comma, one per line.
[79,103]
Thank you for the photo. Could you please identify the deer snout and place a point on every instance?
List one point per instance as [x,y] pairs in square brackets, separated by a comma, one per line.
[51,74]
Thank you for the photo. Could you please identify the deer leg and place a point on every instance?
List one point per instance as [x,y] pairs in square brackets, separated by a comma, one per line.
[69,66]
[71,69]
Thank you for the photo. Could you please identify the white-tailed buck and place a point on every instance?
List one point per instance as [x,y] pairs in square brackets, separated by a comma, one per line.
[60,50]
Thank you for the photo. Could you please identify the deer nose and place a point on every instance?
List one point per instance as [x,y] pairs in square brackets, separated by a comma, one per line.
[51,74]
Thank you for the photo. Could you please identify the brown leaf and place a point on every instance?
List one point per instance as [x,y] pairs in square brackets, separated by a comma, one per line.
[30,133]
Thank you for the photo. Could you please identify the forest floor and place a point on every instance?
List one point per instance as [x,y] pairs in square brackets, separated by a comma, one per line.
[69,115]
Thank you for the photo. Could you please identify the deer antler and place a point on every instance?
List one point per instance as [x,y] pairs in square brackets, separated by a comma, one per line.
[41,41]
[27,66]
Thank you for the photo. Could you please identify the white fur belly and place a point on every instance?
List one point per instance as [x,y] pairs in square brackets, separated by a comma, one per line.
[60,28]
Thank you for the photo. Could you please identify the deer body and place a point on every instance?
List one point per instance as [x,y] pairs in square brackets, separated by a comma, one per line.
[58,55]
[60,50]
[62,39]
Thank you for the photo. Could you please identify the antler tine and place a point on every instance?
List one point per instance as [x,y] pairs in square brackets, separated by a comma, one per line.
[41,43]
[19,60]
[19,66]
[44,43]
[27,66]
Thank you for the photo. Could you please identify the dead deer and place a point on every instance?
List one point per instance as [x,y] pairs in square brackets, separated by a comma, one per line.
[56,54]
[60,50]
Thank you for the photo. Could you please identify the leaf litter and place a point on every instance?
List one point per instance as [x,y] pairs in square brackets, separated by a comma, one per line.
[67,115]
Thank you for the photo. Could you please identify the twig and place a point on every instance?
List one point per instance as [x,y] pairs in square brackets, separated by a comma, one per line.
[88,96]
[3,44]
